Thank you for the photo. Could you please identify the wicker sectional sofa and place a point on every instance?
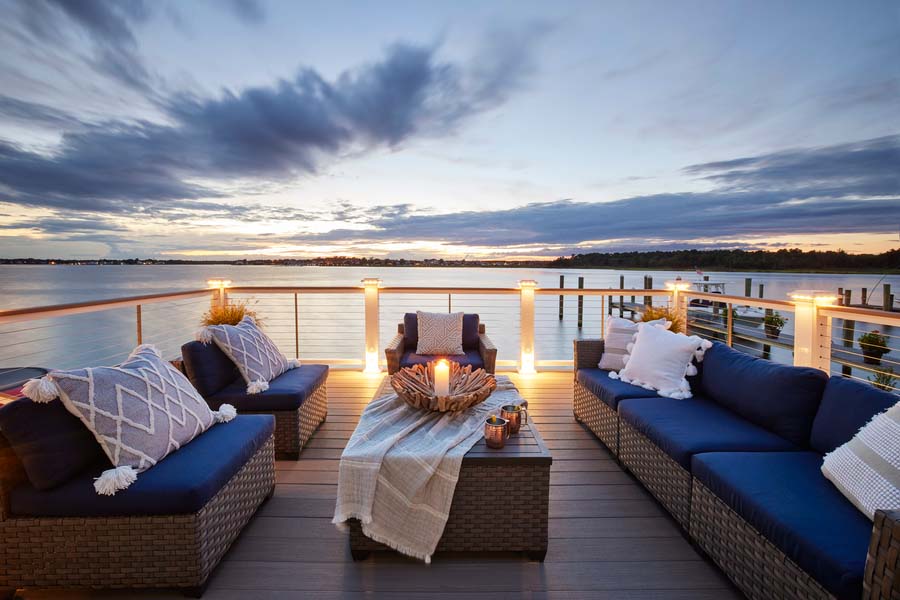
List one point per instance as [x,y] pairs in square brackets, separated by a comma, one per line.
[168,530]
[738,466]
[480,352]
[298,399]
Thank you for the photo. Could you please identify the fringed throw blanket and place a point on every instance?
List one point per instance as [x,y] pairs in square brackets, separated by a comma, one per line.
[400,467]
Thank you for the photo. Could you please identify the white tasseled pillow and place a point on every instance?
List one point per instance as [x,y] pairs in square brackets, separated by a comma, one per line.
[867,468]
[660,360]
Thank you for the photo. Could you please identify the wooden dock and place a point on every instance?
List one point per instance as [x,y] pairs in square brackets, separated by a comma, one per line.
[608,537]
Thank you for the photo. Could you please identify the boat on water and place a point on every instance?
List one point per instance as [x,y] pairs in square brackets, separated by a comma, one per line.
[746,315]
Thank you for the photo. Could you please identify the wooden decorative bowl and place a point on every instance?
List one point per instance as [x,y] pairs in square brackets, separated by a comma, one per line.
[467,387]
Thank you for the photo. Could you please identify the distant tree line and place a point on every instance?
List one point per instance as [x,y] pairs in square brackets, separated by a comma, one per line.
[736,260]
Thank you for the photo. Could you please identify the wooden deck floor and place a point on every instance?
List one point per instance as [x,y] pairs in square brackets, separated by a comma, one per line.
[608,537]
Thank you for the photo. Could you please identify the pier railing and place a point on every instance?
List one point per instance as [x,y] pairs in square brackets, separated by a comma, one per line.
[533,327]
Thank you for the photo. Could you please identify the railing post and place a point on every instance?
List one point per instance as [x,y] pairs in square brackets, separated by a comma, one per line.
[139,323]
[812,331]
[371,297]
[526,327]
[679,300]
[729,326]
[220,292]
[296,326]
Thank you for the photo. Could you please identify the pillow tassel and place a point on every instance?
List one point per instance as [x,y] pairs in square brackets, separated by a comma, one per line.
[204,335]
[255,387]
[294,363]
[114,480]
[41,390]
[225,413]
[144,347]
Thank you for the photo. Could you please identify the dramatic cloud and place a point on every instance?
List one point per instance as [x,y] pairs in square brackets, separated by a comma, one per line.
[275,132]
[249,11]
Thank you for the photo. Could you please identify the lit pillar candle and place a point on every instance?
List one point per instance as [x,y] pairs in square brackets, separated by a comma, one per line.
[441,378]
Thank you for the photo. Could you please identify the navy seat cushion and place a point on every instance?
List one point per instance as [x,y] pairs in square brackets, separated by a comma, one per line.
[780,398]
[682,428]
[846,406]
[471,357]
[50,442]
[207,367]
[785,497]
[610,391]
[181,483]
[288,391]
[469,333]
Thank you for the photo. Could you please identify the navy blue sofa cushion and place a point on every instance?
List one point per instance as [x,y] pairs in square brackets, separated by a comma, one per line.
[208,368]
[288,391]
[181,483]
[50,442]
[777,397]
[469,333]
[785,497]
[610,391]
[471,357]
[682,428]
[846,406]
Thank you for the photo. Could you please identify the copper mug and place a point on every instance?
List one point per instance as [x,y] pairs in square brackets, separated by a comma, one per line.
[496,431]
[516,414]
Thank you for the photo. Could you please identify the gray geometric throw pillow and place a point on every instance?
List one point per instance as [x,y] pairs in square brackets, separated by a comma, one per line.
[140,411]
[439,333]
[253,352]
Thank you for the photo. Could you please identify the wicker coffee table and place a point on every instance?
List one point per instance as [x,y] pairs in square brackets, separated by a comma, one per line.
[501,502]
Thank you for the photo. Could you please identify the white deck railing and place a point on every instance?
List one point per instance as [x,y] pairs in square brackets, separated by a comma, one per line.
[532,327]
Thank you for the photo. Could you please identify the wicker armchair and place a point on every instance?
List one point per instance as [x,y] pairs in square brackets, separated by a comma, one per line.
[397,348]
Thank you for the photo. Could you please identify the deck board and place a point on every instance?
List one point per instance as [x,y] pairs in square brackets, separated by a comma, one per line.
[608,537]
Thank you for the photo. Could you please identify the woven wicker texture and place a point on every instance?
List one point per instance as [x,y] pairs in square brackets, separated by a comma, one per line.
[293,428]
[587,353]
[883,560]
[393,352]
[134,552]
[757,567]
[598,416]
[667,480]
[520,506]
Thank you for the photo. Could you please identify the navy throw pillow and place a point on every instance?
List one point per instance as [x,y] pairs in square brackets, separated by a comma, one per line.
[51,443]
[846,406]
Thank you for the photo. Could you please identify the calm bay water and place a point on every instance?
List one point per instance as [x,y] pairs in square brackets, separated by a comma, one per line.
[331,326]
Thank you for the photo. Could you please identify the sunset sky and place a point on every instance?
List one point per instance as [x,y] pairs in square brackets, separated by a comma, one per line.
[258,128]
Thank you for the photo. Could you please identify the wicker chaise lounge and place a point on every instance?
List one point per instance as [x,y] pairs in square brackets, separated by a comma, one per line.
[480,352]
[739,468]
[168,530]
[298,399]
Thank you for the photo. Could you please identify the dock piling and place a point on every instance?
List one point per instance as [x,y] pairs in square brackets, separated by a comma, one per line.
[865,297]
[621,298]
[748,286]
[580,303]
[562,284]
[888,300]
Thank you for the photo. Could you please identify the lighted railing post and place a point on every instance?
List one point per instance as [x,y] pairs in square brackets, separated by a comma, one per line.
[526,326]
[220,292]
[679,300]
[812,331]
[371,295]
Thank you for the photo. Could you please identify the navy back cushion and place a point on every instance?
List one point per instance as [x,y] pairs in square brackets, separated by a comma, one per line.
[50,442]
[780,398]
[470,331]
[208,368]
[846,406]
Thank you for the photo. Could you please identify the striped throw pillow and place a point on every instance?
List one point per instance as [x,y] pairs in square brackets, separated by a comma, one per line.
[619,333]
[867,468]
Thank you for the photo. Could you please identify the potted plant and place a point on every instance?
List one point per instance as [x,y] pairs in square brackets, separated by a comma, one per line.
[774,323]
[229,314]
[652,313]
[885,380]
[874,346]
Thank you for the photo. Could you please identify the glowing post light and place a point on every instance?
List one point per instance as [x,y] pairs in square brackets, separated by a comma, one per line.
[442,378]
[220,286]
[371,286]
[812,331]
[526,327]
[678,287]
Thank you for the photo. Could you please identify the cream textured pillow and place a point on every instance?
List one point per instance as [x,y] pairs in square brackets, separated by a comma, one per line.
[440,333]
[867,468]
[660,360]
[140,412]
[619,333]
[253,352]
